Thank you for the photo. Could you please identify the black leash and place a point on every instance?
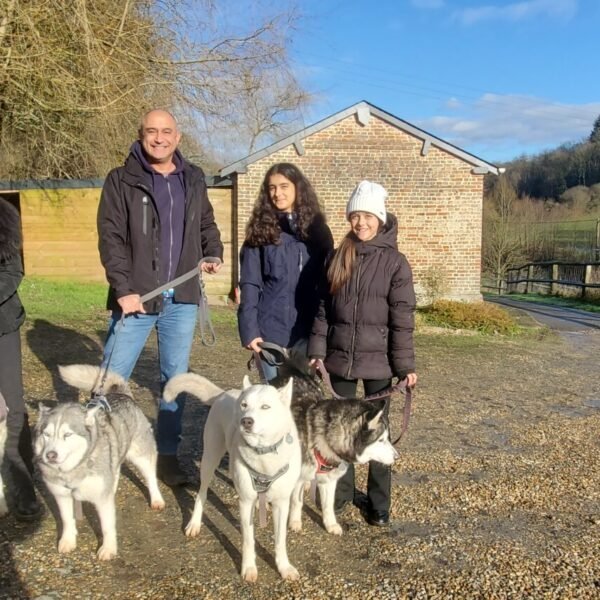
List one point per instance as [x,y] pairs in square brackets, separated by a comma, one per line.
[272,354]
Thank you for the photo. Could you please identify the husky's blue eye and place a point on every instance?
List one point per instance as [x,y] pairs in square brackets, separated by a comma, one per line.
[66,435]
[243,405]
[265,406]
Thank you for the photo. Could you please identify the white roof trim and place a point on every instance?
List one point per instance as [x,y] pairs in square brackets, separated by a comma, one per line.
[363,114]
[363,110]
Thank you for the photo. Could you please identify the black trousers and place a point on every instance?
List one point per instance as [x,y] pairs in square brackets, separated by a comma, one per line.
[18,449]
[379,480]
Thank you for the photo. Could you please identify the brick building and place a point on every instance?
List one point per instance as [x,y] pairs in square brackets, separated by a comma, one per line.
[435,189]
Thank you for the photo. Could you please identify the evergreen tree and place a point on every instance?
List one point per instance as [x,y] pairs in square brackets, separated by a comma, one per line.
[595,135]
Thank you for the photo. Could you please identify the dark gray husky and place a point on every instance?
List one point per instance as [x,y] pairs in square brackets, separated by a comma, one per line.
[333,433]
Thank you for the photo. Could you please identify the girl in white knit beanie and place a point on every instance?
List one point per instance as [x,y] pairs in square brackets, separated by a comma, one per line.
[364,327]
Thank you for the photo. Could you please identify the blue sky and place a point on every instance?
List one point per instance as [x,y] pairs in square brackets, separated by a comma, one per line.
[498,79]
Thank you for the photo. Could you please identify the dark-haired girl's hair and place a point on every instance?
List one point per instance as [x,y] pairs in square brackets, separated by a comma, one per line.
[263,228]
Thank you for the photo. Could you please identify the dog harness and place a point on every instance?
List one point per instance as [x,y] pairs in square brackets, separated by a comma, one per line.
[323,466]
[99,400]
[261,482]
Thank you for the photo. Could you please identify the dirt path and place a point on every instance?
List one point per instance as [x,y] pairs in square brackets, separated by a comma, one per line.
[496,493]
[557,318]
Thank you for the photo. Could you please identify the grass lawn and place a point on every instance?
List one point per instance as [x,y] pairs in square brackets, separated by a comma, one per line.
[64,301]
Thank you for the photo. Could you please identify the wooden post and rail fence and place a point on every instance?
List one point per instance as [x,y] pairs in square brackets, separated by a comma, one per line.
[557,278]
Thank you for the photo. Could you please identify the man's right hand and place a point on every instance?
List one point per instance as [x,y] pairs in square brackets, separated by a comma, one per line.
[131,304]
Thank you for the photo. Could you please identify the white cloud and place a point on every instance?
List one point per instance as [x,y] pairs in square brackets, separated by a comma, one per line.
[518,11]
[497,123]
[427,3]
[453,103]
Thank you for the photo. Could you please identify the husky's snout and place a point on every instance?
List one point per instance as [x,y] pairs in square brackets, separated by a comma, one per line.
[51,456]
[247,423]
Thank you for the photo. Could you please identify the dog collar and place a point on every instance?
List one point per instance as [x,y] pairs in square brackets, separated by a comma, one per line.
[322,465]
[273,447]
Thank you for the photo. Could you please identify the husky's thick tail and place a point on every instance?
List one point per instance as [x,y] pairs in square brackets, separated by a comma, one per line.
[88,378]
[206,391]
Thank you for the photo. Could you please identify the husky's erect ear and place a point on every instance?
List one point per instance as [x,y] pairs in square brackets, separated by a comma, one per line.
[285,393]
[246,383]
[373,423]
[43,409]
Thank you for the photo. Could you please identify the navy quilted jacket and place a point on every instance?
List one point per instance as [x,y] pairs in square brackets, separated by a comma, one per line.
[279,286]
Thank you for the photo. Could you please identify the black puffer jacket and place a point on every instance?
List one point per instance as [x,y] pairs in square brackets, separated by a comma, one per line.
[365,331]
[129,234]
[12,313]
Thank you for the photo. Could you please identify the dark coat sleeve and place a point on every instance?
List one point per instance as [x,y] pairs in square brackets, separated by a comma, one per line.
[11,274]
[12,313]
[402,304]
[112,237]
[251,284]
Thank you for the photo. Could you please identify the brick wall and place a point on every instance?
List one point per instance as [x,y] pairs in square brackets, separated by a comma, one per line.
[436,197]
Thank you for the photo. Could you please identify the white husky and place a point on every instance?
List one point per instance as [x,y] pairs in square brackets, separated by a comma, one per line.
[256,427]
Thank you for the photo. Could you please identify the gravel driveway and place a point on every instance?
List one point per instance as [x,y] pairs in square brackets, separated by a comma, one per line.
[496,493]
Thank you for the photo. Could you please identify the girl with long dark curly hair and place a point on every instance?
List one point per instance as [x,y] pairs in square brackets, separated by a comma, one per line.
[281,262]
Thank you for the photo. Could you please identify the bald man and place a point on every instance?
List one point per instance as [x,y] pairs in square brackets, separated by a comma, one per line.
[155,222]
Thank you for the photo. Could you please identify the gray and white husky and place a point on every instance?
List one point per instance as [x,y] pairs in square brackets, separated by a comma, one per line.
[256,427]
[333,433]
[80,450]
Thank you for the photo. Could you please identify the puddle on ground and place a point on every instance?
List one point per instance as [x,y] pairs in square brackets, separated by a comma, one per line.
[592,402]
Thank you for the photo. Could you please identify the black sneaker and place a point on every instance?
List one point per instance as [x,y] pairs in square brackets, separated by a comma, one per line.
[169,471]
[360,500]
[27,510]
[378,518]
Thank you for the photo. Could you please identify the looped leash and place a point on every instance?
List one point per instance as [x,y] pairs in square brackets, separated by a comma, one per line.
[401,386]
[273,354]
[203,311]
[204,315]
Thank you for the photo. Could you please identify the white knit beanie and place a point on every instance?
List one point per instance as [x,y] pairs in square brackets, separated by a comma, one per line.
[368,197]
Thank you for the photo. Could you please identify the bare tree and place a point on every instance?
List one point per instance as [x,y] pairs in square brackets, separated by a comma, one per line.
[502,247]
[75,75]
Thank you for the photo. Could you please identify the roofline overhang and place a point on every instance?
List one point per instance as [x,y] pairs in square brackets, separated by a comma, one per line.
[363,111]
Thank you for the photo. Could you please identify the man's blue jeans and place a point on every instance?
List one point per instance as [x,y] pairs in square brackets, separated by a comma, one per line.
[175,330]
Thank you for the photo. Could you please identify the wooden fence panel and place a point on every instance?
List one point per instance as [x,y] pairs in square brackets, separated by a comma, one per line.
[60,240]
